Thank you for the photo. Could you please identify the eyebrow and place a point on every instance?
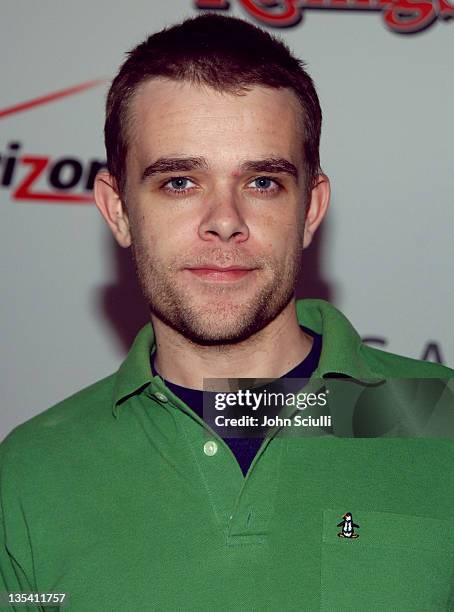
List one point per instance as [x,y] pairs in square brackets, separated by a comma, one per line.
[174,164]
[277,165]
[187,164]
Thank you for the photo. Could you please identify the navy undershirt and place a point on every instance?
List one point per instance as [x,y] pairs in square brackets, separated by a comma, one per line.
[245,449]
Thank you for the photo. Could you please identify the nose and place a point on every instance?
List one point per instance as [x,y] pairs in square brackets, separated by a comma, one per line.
[223,219]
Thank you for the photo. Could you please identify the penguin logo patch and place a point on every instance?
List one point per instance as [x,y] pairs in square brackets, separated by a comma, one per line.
[348,527]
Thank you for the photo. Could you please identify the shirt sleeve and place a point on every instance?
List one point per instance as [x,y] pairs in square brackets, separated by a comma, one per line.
[16,555]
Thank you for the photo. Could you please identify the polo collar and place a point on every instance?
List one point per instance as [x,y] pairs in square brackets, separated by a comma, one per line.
[135,372]
[342,351]
[342,347]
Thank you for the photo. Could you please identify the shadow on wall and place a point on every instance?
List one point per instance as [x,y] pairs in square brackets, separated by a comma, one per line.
[310,283]
[124,305]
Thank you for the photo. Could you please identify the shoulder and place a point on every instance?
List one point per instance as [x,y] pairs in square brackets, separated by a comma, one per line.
[394,366]
[61,428]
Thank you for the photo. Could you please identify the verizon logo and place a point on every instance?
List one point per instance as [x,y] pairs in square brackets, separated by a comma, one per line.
[38,177]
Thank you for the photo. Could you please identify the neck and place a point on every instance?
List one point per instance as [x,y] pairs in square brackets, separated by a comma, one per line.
[270,353]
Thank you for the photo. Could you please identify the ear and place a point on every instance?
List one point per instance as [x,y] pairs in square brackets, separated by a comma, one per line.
[316,207]
[112,207]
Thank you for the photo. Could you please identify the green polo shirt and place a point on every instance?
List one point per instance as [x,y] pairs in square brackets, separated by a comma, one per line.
[114,497]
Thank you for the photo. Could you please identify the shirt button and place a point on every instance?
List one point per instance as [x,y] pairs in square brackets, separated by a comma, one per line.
[161,397]
[210,448]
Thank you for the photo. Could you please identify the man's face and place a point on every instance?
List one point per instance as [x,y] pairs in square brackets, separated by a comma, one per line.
[215,197]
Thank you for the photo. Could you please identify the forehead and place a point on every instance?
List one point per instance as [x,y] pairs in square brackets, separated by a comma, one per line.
[170,117]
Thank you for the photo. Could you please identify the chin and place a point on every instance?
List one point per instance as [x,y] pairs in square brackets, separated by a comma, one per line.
[222,323]
[210,335]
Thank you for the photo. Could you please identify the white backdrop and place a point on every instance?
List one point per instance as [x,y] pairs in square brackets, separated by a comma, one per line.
[70,304]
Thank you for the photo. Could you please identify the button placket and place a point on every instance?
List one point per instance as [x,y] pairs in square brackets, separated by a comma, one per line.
[255,506]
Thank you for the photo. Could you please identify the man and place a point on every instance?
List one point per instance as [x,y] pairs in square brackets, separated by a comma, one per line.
[122,496]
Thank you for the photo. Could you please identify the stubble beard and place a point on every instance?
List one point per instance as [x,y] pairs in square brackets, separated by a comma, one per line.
[223,318]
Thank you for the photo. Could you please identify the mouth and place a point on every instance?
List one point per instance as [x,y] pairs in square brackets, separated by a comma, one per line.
[219,274]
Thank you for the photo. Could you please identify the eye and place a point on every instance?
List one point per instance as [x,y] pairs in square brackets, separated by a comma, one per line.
[178,184]
[265,184]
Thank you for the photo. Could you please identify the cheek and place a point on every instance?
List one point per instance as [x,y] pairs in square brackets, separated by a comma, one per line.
[161,244]
[279,234]
[166,222]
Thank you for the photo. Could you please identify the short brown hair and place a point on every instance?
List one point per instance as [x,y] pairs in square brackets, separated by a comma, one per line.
[225,53]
